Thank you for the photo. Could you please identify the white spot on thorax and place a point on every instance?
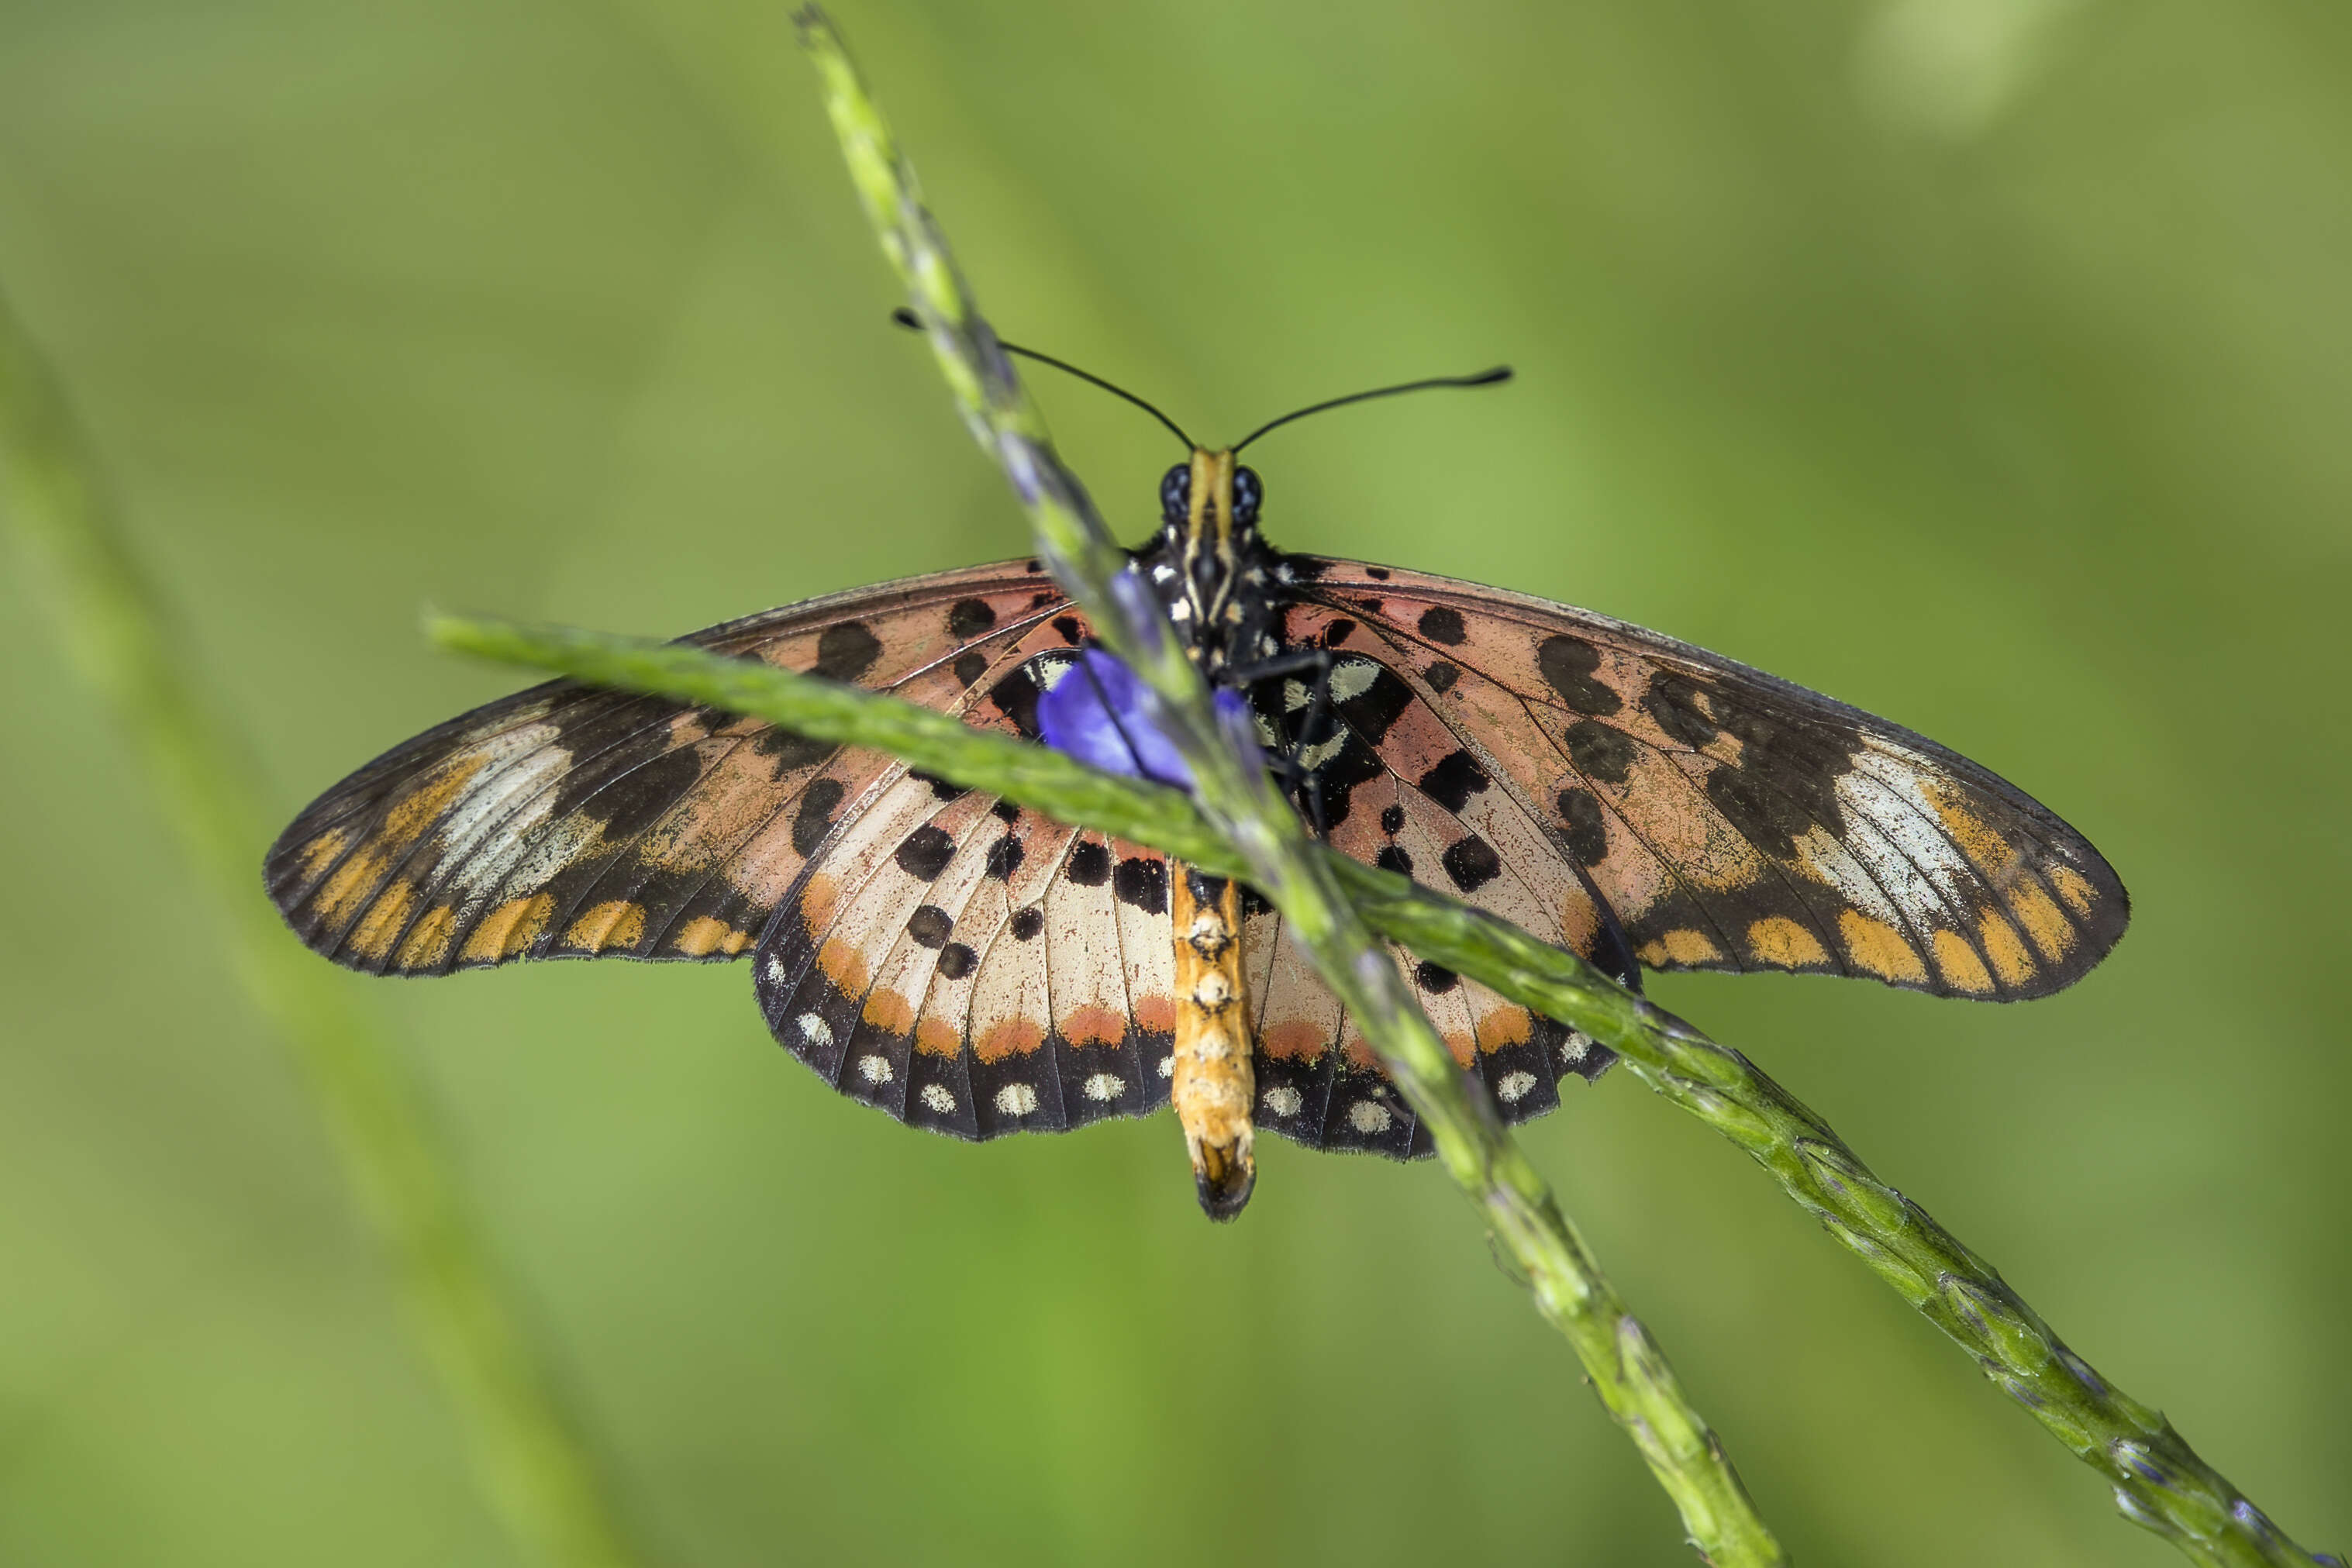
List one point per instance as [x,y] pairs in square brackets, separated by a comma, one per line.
[873,1069]
[1104,1086]
[1017,1100]
[815,1029]
[1514,1086]
[1369,1118]
[1163,572]
[1283,1101]
[937,1097]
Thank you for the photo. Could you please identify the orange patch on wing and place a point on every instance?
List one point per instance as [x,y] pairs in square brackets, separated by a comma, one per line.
[322,848]
[1963,970]
[1464,1048]
[427,942]
[1094,1025]
[1156,1014]
[349,884]
[937,1037]
[704,935]
[1505,1025]
[1295,1038]
[615,922]
[817,899]
[1013,1037]
[510,928]
[1784,944]
[889,1012]
[2010,961]
[1986,850]
[2042,919]
[2073,888]
[845,966]
[1680,947]
[1876,947]
[384,918]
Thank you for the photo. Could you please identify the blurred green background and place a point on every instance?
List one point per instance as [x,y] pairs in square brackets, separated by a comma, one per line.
[1984,362]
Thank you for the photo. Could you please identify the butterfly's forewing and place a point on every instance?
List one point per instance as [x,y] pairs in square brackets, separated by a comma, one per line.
[1731,820]
[569,823]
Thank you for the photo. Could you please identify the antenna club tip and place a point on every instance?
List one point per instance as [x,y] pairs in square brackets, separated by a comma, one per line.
[1489,378]
[914,323]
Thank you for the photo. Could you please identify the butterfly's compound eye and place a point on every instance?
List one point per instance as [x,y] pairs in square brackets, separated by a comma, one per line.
[1176,494]
[1248,492]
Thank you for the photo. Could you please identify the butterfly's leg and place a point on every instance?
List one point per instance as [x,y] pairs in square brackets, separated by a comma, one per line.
[1300,780]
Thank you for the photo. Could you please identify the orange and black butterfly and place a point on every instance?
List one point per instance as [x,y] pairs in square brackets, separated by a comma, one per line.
[978,969]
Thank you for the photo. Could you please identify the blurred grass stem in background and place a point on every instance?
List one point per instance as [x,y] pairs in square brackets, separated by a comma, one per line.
[534,1469]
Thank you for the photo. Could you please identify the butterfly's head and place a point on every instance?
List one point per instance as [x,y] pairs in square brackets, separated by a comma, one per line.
[1209,564]
[1182,483]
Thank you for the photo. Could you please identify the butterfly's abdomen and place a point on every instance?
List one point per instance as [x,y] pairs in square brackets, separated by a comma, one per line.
[1213,1085]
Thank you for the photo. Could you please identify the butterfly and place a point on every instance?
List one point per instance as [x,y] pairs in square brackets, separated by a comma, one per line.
[976,969]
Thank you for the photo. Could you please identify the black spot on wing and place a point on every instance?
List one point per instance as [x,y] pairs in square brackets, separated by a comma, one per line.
[1587,831]
[844,650]
[1338,631]
[1141,883]
[1089,863]
[1392,857]
[1599,751]
[1441,623]
[968,618]
[1673,701]
[1005,858]
[1471,862]
[924,853]
[1441,677]
[1027,922]
[1452,780]
[956,961]
[1392,820]
[1568,665]
[1435,979]
[636,799]
[813,818]
[929,925]
[969,666]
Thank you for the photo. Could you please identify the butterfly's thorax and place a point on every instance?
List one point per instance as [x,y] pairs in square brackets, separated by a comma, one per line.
[1210,566]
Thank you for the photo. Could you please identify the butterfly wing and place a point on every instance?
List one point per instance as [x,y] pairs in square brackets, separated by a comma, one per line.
[571,822]
[1730,820]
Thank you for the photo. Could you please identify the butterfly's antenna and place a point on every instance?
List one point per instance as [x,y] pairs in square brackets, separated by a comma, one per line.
[908,319]
[1482,379]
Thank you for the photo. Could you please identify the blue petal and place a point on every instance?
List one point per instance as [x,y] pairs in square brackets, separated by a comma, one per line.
[1096,714]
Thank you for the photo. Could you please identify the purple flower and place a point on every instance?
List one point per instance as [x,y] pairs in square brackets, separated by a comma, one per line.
[1096,713]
